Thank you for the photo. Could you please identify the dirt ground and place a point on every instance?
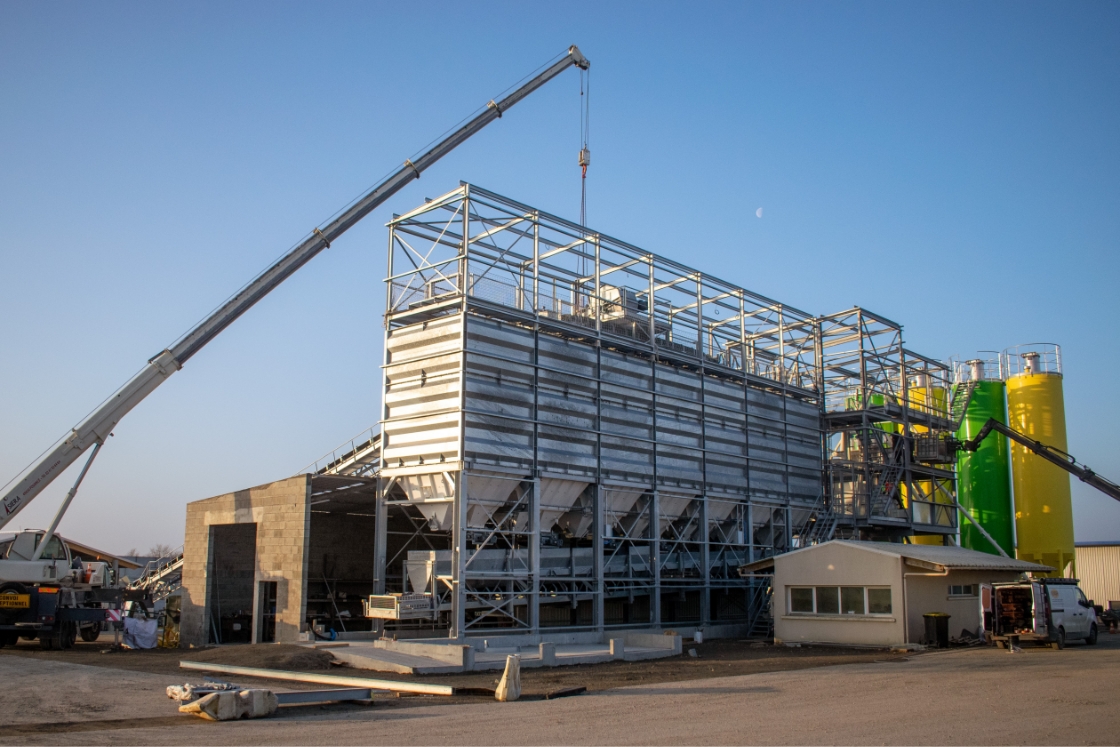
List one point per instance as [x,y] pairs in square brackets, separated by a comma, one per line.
[715,658]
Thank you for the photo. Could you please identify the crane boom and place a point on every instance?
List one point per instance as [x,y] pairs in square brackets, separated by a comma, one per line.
[1049,453]
[98,425]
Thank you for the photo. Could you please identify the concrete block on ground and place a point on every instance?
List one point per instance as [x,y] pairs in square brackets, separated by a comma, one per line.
[547,654]
[618,648]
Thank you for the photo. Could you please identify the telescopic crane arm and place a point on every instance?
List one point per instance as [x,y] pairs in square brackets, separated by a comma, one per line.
[1049,453]
[97,426]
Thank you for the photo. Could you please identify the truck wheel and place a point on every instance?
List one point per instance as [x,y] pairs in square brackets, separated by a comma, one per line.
[91,633]
[1092,639]
[68,634]
[1061,642]
[51,640]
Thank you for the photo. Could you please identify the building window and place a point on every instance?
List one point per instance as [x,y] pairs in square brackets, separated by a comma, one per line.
[965,590]
[828,600]
[879,601]
[840,600]
[851,600]
[801,600]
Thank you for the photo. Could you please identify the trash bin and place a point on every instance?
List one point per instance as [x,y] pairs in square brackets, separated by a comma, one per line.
[937,629]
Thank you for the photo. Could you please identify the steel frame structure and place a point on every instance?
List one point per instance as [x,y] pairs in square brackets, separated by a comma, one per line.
[879,396]
[601,435]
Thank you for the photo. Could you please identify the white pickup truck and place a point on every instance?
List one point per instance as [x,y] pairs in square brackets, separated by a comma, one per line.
[1050,611]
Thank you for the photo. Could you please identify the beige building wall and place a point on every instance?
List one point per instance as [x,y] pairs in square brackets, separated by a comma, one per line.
[930,593]
[838,565]
[1098,567]
[281,513]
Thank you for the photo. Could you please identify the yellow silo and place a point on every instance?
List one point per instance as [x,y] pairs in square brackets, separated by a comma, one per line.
[927,398]
[1043,509]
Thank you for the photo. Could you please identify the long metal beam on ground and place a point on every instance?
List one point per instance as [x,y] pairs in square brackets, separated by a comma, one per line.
[320,679]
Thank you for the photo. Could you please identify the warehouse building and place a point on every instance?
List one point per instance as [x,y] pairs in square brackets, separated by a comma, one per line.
[1098,568]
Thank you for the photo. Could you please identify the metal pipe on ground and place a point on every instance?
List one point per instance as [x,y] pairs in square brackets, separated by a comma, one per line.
[320,679]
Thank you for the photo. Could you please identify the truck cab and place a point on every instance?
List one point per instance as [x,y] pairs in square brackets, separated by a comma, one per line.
[1046,610]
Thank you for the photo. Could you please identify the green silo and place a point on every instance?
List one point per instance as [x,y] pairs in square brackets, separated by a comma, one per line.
[984,476]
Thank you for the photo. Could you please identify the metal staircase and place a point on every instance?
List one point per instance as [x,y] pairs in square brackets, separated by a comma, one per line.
[161,577]
[958,406]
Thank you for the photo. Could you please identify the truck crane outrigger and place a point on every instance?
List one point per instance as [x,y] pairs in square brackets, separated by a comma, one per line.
[44,593]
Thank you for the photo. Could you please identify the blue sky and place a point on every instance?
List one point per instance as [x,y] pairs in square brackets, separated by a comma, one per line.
[952,166]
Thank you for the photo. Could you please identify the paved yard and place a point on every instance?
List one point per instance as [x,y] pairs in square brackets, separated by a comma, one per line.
[974,696]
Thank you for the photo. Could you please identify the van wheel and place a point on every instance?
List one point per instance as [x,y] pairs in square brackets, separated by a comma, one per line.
[1061,642]
[1092,639]
[91,633]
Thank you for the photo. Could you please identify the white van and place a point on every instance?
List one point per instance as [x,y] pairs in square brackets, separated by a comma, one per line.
[1044,610]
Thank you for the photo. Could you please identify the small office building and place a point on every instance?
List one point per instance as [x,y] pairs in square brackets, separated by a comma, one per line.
[875,593]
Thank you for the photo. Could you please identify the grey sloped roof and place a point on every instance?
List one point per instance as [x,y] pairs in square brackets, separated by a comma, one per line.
[958,558]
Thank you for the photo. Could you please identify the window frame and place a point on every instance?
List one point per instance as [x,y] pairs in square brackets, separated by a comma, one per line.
[838,614]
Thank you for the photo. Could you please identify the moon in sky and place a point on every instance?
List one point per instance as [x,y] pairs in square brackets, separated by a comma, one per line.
[758,212]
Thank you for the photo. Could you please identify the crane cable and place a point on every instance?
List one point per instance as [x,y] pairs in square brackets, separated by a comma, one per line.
[584,154]
[585,136]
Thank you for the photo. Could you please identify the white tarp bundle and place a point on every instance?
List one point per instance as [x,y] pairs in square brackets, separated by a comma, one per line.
[139,632]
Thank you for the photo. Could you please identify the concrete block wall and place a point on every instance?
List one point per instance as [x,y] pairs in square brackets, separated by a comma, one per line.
[281,512]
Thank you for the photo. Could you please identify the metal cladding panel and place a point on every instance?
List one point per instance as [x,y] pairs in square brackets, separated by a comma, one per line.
[1098,567]
[566,356]
[499,388]
[725,432]
[803,447]
[566,450]
[802,413]
[421,440]
[499,441]
[761,404]
[422,393]
[424,340]
[499,339]
[1043,506]
[565,408]
[804,484]
[679,383]
[679,423]
[626,371]
[680,466]
[726,472]
[625,412]
[766,440]
[983,476]
[768,479]
[626,459]
[726,395]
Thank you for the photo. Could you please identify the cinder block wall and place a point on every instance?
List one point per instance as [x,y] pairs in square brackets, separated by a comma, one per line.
[281,512]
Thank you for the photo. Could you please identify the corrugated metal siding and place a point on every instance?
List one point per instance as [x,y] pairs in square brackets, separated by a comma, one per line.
[1098,567]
